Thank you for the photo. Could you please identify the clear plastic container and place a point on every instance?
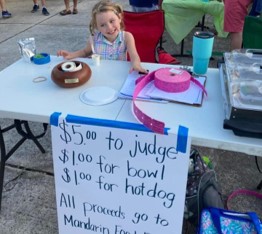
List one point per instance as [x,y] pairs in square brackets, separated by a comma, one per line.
[27,48]
[244,78]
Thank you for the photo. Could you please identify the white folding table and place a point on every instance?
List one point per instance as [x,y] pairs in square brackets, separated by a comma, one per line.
[25,100]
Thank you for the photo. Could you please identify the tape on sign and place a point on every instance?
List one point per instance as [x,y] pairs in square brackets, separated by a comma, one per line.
[68,66]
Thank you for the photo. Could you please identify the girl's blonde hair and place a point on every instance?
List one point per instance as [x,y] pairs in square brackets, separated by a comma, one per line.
[104,6]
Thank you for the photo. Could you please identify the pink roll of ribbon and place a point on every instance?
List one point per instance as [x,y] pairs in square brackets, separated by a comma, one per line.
[172,80]
[166,79]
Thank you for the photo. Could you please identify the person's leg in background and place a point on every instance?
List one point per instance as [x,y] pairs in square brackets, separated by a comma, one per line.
[234,17]
[5,13]
[236,40]
[75,11]
[67,10]
[36,7]
[44,10]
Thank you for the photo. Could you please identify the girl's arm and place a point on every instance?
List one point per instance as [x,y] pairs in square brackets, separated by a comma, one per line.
[87,51]
[134,57]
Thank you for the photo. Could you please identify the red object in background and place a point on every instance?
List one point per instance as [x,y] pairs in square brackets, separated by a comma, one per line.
[147,29]
[166,58]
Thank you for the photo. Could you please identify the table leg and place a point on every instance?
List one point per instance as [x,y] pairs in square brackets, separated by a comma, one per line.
[26,135]
[182,51]
[259,187]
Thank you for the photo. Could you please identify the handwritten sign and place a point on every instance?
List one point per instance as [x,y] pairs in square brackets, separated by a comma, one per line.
[117,181]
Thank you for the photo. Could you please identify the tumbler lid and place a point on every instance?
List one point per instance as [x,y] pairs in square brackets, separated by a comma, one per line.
[204,34]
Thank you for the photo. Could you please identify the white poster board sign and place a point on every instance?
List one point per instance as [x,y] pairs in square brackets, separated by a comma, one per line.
[113,180]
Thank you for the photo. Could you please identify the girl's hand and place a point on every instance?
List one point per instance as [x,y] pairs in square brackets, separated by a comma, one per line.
[65,54]
[138,67]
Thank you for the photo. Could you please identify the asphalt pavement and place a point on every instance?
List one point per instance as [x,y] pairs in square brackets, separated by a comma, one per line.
[28,204]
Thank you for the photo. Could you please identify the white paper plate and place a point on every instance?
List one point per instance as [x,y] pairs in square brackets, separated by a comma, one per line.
[99,95]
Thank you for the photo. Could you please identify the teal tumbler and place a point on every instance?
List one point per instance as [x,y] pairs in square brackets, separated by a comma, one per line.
[202,51]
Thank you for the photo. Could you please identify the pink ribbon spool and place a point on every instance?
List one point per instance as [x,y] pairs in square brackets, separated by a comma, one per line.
[166,82]
[172,80]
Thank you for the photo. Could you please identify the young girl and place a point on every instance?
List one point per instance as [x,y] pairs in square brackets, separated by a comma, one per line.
[108,39]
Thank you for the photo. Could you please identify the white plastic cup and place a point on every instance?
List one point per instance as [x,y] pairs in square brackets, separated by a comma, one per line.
[96,59]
